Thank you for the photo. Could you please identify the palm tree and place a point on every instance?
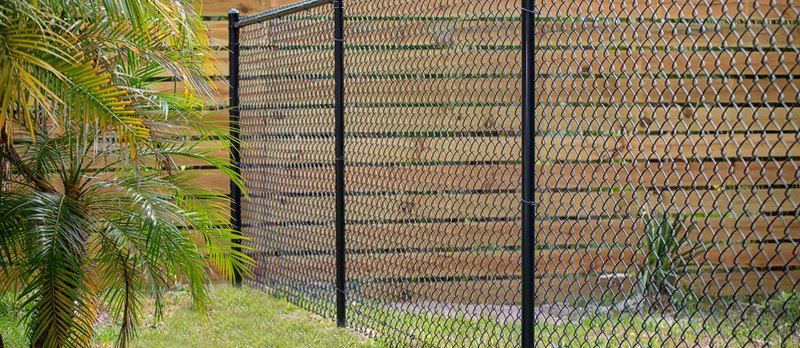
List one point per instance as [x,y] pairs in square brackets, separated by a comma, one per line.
[95,209]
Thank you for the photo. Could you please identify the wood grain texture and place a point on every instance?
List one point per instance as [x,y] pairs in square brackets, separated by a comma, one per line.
[399,206]
[461,177]
[610,134]
[506,233]
[294,150]
[554,263]
[490,118]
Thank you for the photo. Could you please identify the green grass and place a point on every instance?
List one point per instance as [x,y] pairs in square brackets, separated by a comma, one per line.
[764,322]
[248,317]
[240,317]
[11,325]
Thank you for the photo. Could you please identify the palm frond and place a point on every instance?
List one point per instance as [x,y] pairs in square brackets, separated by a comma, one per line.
[96,207]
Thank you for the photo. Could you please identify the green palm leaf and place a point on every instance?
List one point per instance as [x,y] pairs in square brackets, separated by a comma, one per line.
[94,210]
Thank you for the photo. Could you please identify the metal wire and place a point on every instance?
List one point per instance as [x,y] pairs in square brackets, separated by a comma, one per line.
[433,171]
[286,99]
[666,161]
[669,173]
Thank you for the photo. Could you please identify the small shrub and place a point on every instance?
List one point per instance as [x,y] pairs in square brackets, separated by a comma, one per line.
[668,252]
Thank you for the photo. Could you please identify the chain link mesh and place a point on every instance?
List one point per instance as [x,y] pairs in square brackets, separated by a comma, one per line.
[668,176]
[287,121]
[666,170]
[433,163]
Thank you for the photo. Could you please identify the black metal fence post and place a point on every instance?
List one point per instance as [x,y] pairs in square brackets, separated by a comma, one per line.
[236,194]
[528,174]
[338,8]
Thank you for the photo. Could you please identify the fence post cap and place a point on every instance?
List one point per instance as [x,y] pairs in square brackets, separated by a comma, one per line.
[233,11]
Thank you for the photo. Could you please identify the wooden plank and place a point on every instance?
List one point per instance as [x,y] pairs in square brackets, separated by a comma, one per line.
[384,119]
[302,91]
[447,8]
[217,31]
[386,90]
[574,32]
[729,62]
[595,231]
[212,180]
[460,177]
[500,148]
[555,118]
[662,174]
[655,118]
[291,57]
[313,269]
[217,149]
[220,59]
[268,239]
[687,202]
[487,234]
[549,263]
[370,91]
[386,178]
[429,61]
[395,207]
[433,32]
[660,90]
[420,265]
[757,9]
[214,8]
[452,61]
[664,34]
[584,61]
[384,150]
[736,146]
[778,255]
[398,236]
[391,207]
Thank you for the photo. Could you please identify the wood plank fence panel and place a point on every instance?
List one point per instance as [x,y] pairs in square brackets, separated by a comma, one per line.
[433,157]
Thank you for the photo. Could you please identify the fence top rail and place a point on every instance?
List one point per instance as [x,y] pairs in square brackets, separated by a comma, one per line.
[280,12]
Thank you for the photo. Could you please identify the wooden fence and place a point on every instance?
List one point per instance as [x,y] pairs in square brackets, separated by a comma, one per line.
[643,137]
[215,13]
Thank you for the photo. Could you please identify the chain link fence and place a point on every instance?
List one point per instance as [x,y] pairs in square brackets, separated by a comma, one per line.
[669,175]
[287,122]
[433,157]
[665,160]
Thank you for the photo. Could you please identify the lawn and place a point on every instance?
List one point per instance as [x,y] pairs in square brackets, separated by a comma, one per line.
[731,322]
[246,317]
[243,317]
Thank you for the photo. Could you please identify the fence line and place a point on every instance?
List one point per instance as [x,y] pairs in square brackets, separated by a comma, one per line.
[658,139]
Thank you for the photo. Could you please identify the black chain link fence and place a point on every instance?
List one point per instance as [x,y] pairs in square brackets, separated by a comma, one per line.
[669,173]
[286,117]
[433,170]
[666,169]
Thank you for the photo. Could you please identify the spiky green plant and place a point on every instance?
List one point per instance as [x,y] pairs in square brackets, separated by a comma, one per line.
[669,251]
[94,207]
